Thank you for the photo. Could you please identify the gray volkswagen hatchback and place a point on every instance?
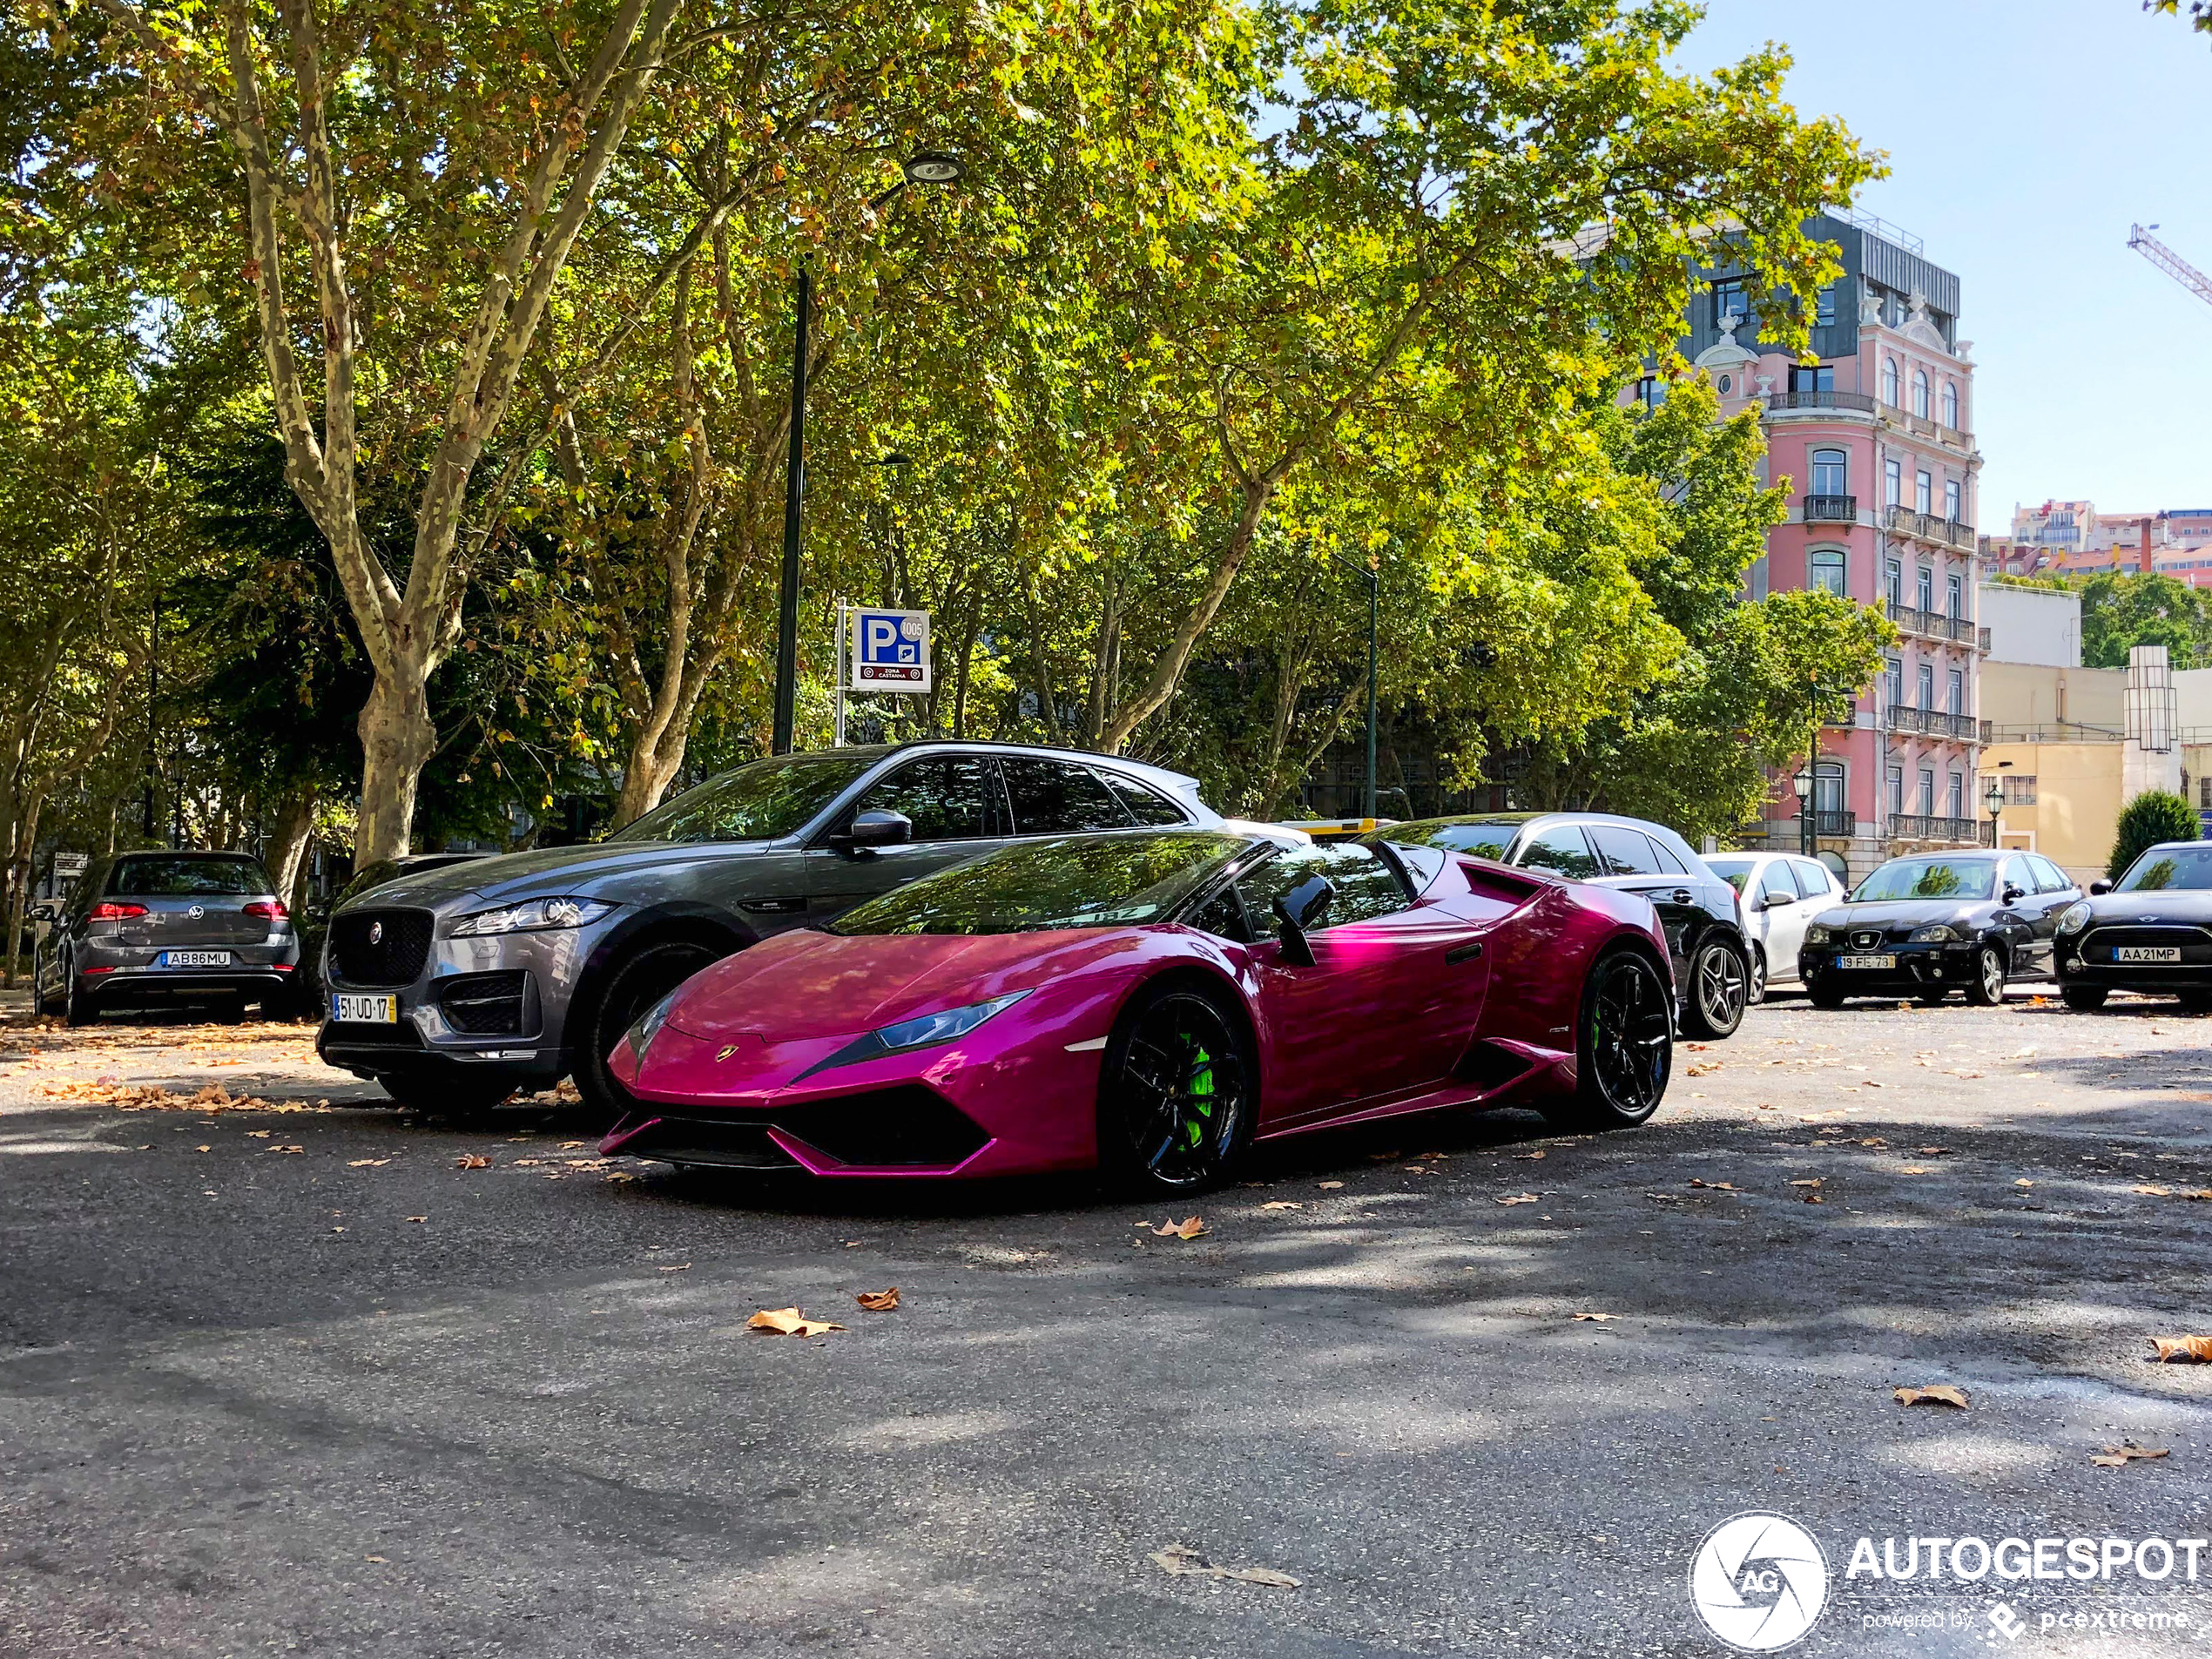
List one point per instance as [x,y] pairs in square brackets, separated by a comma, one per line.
[152,928]
[455,987]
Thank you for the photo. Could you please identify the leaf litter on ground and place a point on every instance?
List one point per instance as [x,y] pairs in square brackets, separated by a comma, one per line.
[879,1301]
[1938,1394]
[789,1322]
[1183,1561]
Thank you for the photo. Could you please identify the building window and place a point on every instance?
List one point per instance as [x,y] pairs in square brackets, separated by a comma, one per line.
[1954,797]
[1805,379]
[1923,590]
[2019,788]
[1924,492]
[1651,391]
[1950,404]
[1927,685]
[1927,792]
[1952,509]
[1920,393]
[1955,691]
[1728,301]
[1828,791]
[1894,584]
[1824,305]
[1896,789]
[1828,570]
[1954,596]
[1830,473]
[1894,483]
[1889,382]
[1897,684]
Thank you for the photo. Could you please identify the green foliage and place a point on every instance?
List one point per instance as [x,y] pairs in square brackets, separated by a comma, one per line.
[2154,816]
[2119,612]
[2200,13]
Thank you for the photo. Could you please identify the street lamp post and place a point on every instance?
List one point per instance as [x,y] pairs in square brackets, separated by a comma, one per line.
[1372,571]
[926,167]
[1993,800]
[1802,784]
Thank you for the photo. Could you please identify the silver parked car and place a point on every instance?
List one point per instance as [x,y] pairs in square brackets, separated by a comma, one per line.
[1782,893]
[148,929]
[454,988]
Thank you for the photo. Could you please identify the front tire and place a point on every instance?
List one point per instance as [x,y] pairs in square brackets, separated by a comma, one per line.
[1987,988]
[2085,999]
[1823,998]
[1624,1047]
[636,984]
[1177,1094]
[1720,984]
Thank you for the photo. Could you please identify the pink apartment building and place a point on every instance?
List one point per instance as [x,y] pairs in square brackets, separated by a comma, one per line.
[1876,441]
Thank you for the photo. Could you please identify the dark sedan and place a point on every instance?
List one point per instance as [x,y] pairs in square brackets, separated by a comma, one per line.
[2151,931]
[1939,923]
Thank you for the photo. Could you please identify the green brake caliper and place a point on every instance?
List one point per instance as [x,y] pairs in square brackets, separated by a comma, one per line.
[1201,1092]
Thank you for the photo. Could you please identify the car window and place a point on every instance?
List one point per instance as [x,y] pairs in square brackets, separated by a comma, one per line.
[1480,840]
[1735,872]
[1669,861]
[759,800]
[1366,887]
[2054,878]
[2016,874]
[1629,851]
[1222,916]
[950,798]
[1561,850]
[187,877]
[1927,878]
[1424,864]
[1148,806]
[1812,879]
[2168,868]
[1067,881]
[1053,797]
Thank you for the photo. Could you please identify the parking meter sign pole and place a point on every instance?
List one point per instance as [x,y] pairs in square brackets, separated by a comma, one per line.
[890,650]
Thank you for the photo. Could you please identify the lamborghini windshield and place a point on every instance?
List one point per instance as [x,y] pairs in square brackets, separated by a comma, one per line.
[1072,882]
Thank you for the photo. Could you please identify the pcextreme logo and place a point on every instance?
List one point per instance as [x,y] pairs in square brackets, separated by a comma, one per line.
[1758,1582]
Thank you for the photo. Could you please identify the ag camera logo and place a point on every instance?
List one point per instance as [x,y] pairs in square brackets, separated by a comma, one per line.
[1759,1581]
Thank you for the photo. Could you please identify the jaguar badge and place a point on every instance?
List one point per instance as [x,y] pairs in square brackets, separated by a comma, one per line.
[375,933]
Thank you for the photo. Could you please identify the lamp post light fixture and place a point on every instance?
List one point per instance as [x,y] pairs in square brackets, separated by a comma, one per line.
[923,167]
[1802,784]
[1993,800]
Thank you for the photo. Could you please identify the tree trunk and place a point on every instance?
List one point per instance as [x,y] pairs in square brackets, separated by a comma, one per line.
[288,842]
[397,741]
[23,850]
[651,768]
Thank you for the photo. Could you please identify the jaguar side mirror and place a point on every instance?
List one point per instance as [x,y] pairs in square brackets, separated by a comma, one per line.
[1298,911]
[878,829]
[2100,886]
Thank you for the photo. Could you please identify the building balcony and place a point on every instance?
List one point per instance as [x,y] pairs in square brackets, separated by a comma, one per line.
[1827,821]
[1933,723]
[1926,526]
[1831,509]
[1958,831]
[1921,427]
[1787,403]
[1933,624]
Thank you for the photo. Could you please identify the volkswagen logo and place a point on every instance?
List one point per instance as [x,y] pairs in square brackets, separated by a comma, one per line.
[196,912]
[1758,1582]
[375,933]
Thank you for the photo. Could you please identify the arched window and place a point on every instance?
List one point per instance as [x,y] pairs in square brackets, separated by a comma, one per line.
[1828,570]
[1830,473]
[1889,382]
[1950,404]
[1834,860]
[1920,393]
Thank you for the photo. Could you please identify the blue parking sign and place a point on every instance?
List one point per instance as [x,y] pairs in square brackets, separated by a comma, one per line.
[890,650]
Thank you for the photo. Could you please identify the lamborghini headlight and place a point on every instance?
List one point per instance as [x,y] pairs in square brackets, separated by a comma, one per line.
[640,1035]
[1934,933]
[928,1031]
[2075,917]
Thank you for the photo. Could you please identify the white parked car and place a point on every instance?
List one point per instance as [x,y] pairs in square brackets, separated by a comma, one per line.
[1780,893]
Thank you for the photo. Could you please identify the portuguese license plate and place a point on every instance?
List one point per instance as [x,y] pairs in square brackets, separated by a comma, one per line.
[2147,953]
[378,1010]
[1866,961]
[193,959]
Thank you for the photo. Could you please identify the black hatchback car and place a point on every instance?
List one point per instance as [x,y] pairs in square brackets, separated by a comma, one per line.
[1938,922]
[2149,931]
[1697,908]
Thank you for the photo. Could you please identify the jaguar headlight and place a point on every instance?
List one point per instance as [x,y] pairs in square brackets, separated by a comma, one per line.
[1818,935]
[2075,917]
[640,1035]
[532,916]
[1934,933]
[928,1031]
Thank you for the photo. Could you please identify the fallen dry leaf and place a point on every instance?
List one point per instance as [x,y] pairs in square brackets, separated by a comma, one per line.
[1538,1153]
[1814,1182]
[1188,1227]
[1941,1394]
[1595,1318]
[677,1267]
[879,1301]
[418,1217]
[207,1149]
[357,1164]
[2118,1457]
[1328,1186]
[2153,1192]
[1281,1203]
[1713,1186]
[259,1134]
[1181,1559]
[1916,1169]
[285,1148]
[1932,1152]
[789,1322]
[471,1161]
[2023,1182]
[2183,1350]
[1520,1198]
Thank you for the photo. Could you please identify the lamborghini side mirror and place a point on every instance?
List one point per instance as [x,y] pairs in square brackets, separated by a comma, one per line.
[1299,912]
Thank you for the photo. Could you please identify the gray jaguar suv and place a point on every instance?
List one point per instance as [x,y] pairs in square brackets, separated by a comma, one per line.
[455,987]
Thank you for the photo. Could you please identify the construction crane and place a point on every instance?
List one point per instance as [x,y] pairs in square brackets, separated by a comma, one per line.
[2139,238]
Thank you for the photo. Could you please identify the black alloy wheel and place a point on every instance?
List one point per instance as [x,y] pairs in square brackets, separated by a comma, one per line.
[1987,988]
[636,984]
[77,1006]
[39,1008]
[1175,1094]
[1720,984]
[1624,1046]
[2085,999]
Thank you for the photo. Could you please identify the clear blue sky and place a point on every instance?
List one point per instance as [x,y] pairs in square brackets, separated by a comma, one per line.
[2023,137]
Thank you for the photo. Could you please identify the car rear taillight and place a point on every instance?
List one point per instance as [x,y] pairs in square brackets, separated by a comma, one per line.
[105,912]
[268,910]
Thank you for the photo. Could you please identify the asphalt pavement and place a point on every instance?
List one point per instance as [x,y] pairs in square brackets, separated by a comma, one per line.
[302,1374]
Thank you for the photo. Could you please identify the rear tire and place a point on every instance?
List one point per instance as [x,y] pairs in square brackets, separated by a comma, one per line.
[39,1008]
[635,985]
[1624,1049]
[2085,999]
[1719,982]
[2197,1002]
[76,1007]
[453,1095]
[1178,1093]
[1986,990]
[1756,994]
